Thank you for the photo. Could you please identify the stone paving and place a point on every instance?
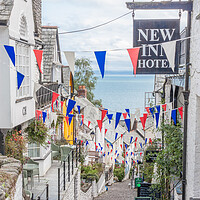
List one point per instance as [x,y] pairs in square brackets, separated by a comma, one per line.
[118,191]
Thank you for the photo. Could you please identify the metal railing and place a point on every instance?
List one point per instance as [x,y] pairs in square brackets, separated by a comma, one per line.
[44,195]
[66,171]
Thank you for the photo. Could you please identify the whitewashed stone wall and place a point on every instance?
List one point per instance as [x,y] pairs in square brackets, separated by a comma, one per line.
[193,144]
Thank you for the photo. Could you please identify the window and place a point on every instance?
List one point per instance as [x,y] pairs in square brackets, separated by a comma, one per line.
[33,150]
[23,66]
[23,28]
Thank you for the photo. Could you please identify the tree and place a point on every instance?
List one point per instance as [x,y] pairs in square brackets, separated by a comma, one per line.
[84,75]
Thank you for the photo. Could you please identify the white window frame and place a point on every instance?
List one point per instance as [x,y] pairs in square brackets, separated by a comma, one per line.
[23,63]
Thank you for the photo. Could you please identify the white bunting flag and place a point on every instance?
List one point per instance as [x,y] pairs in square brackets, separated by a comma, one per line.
[170,50]
[70,56]
[37,86]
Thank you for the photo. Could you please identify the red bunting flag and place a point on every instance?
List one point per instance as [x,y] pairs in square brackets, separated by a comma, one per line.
[122,161]
[67,120]
[121,135]
[125,115]
[121,146]
[54,97]
[145,117]
[103,114]
[143,122]
[150,141]
[164,106]
[82,116]
[62,103]
[133,53]
[140,153]
[136,139]
[108,145]
[111,151]
[89,122]
[106,131]
[38,55]
[111,158]
[147,109]
[38,113]
[81,142]
[135,144]
[181,112]
[99,124]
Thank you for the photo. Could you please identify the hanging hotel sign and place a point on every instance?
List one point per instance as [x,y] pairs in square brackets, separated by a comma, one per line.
[149,34]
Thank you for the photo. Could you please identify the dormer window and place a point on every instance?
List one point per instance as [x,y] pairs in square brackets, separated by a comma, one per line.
[23,28]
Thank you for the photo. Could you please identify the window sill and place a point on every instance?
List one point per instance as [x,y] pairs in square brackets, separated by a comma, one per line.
[23,99]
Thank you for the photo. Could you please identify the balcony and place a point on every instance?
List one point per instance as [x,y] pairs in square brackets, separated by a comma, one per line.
[44,95]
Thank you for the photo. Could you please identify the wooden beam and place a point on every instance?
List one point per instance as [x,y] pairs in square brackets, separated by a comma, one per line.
[184,5]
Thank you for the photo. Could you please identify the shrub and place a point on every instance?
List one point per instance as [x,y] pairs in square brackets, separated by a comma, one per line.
[119,173]
[15,145]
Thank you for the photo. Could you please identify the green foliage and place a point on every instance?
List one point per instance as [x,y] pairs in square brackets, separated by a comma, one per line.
[91,172]
[37,133]
[84,75]
[119,173]
[169,160]
[15,145]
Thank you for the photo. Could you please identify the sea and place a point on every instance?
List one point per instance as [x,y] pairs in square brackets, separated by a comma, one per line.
[121,90]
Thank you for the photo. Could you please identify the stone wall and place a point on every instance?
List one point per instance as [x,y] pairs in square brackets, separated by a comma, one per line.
[37,15]
[10,178]
[193,139]
[5,9]
[49,41]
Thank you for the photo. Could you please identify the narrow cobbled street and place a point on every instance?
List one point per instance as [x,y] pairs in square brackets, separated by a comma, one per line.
[118,191]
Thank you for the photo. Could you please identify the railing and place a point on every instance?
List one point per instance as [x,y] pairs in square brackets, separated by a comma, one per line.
[44,96]
[66,170]
[44,195]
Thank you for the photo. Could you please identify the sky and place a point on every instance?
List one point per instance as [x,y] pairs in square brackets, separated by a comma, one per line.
[71,15]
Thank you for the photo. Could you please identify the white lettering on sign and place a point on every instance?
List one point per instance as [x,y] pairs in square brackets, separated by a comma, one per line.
[153,63]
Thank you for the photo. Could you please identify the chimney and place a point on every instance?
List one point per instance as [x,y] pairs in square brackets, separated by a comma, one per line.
[82,91]
[135,125]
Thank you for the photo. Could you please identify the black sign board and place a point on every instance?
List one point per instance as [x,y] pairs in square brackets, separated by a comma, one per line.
[149,34]
[145,190]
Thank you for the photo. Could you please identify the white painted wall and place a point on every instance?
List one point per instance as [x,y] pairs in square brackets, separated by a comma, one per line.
[11,112]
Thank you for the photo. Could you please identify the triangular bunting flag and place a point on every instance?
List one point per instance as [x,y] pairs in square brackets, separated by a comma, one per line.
[146,141]
[116,136]
[181,112]
[147,109]
[67,120]
[89,122]
[152,111]
[164,106]
[38,113]
[20,78]
[158,108]
[71,104]
[100,56]
[174,116]
[38,55]
[128,121]
[44,115]
[11,53]
[62,104]
[170,50]
[54,97]
[131,139]
[124,115]
[133,53]
[142,121]
[121,136]
[128,111]
[110,116]
[82,118]
[99,124]
[37,86]
[157,119]
[79,109]
[145,117]
[70,120]
[70,57]
[103,114]
[118,115]
[106,131]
